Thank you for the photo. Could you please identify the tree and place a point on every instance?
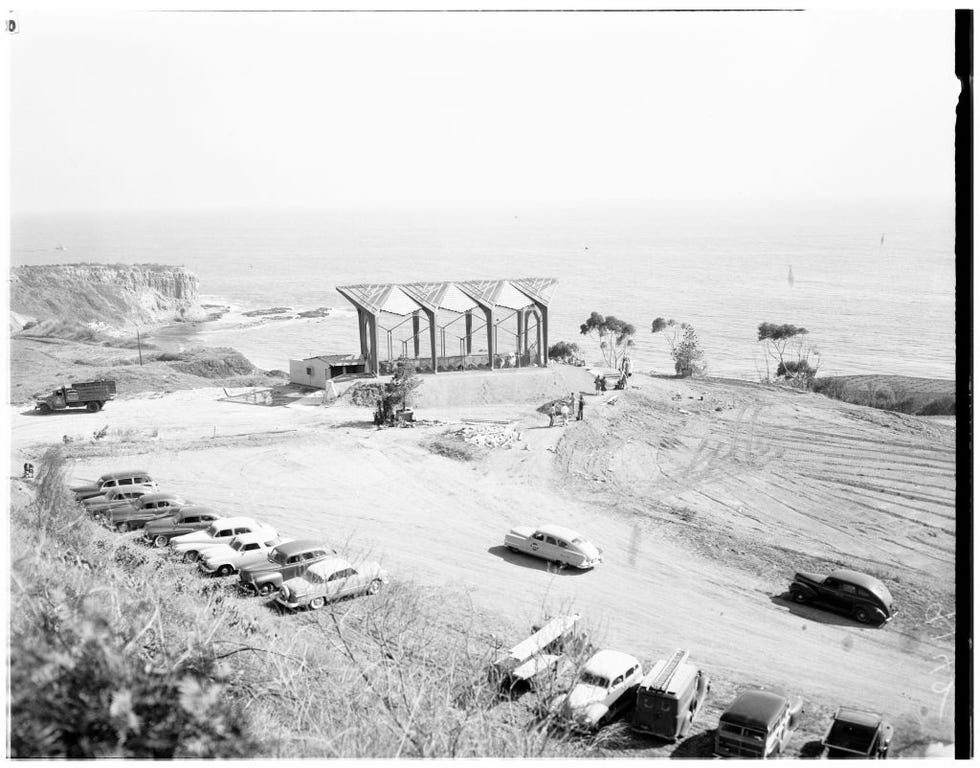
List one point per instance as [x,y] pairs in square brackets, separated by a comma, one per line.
[615,336]
[396,393]
[684,346]
[566,351]
[778,341]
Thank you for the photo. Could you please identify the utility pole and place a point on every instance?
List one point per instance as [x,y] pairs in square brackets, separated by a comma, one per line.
[139,345]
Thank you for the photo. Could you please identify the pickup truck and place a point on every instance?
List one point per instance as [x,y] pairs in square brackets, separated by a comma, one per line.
[857,734]
[90,395]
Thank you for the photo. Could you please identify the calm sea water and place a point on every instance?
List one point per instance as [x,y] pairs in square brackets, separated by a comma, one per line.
[875,286]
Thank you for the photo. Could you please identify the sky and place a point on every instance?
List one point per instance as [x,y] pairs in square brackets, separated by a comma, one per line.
[113,111]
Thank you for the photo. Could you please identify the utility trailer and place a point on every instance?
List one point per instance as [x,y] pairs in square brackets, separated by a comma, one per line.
[90,395]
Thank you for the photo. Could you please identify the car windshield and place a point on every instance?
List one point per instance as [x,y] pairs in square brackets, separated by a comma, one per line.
[277,557]
[577,540]
[589,679]
[237,544]
[213,530]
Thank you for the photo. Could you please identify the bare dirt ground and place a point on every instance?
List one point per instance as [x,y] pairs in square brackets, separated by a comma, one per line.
[705,497]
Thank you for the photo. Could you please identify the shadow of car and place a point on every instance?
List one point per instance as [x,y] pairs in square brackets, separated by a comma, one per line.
[813,613]
[699,745]
[534,563]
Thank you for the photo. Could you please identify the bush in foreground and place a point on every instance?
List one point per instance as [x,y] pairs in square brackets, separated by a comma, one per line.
[88,679]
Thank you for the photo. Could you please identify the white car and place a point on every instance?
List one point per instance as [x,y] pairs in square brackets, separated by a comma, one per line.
[221,531]
[606,685]
[555,543]
[241,552]
[331,579]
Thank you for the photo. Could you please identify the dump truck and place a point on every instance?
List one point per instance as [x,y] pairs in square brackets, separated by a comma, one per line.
[90,395]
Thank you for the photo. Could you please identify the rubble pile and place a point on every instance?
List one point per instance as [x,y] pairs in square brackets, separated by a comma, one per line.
[488,435]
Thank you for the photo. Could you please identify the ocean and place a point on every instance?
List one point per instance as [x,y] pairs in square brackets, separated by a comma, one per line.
[873,284]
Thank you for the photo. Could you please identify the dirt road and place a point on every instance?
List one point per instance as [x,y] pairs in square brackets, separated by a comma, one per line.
[703,509]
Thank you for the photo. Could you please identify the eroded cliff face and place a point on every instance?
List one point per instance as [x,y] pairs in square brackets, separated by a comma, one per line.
[108,293]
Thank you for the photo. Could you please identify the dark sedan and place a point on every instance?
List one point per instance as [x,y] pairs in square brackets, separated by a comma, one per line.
[862,597]
[287,561]
[187,520]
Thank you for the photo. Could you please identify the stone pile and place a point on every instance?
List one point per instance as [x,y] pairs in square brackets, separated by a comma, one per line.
[488,435]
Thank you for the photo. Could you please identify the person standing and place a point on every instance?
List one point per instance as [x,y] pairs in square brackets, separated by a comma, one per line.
[551,415]
[598,383]
[564,414]
[581,407]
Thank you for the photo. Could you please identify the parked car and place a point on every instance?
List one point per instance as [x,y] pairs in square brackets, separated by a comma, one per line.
[191,518]
[758,724]
[331,579]
[540,657]
[247,549]
[858,734]
[149,507]
[670,697]
[556,543]
[113,480]
[288,560]
[191,545]
[605,687]
[123,496]
[862,597]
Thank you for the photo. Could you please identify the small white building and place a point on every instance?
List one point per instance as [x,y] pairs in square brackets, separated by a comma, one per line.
[316,371]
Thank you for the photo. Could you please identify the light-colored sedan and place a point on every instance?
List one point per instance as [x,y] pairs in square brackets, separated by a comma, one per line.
[241,552]
[331,579]
[221,531]
[606,685]
[555,543]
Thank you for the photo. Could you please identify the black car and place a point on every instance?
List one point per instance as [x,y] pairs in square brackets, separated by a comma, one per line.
[288,560]
[862,597]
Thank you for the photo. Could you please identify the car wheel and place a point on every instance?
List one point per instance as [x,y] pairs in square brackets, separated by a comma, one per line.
[122,527]
[374,587]
[862,615]
[559,564]
[267,589]
[225,570]
[798,595]
[190,557]
[92,407]
[44,408]
[318,602]
[160,542]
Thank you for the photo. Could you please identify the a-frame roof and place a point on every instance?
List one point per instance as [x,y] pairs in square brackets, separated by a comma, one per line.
[374,297]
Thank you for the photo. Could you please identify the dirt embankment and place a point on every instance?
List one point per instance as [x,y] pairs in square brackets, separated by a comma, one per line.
[38,366]
[902,394]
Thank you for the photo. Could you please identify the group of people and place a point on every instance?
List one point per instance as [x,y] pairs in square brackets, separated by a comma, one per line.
[565,410]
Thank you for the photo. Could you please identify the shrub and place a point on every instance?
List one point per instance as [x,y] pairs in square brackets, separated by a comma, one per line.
[565,351]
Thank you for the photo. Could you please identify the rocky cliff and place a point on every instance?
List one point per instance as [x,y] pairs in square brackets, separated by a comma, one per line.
[113,294]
